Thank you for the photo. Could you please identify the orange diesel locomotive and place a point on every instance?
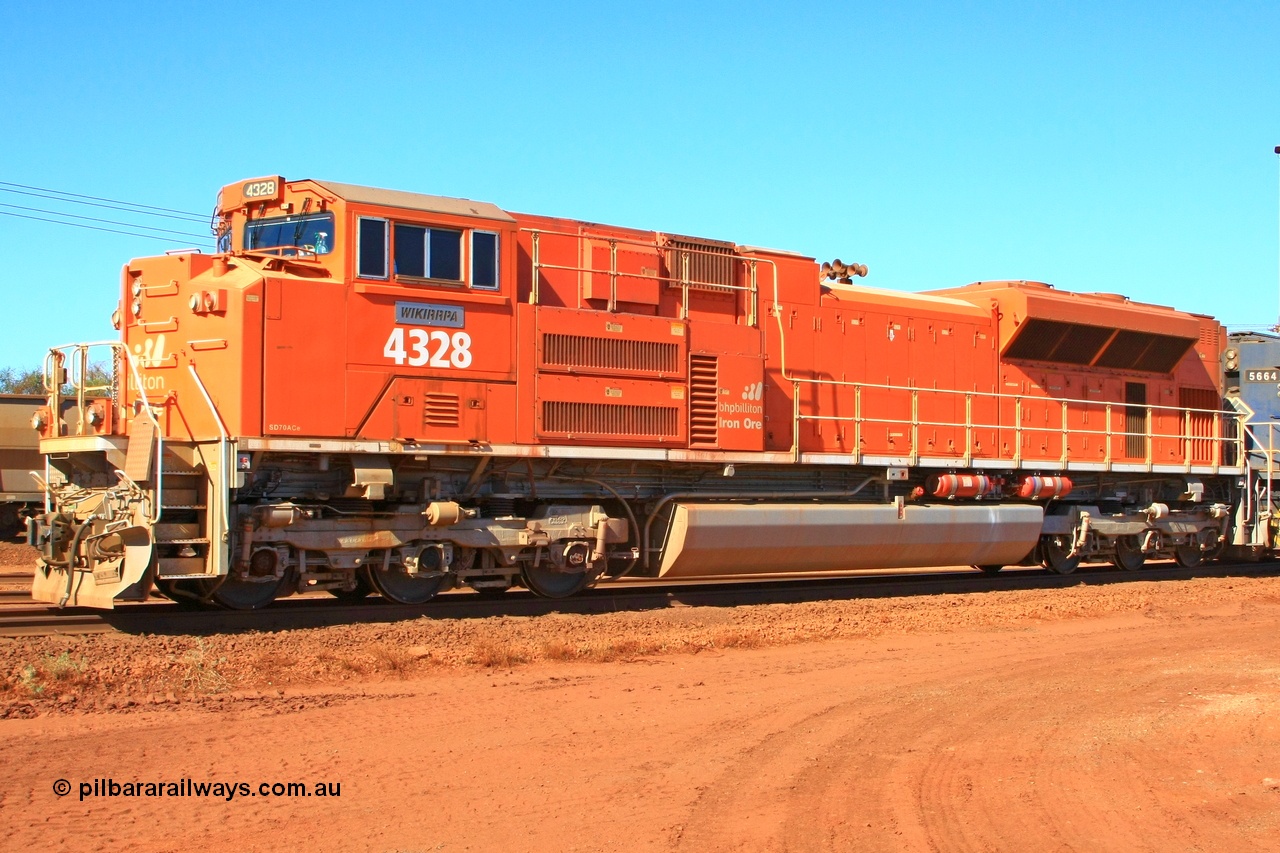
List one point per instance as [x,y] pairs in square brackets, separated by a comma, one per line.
[370,390]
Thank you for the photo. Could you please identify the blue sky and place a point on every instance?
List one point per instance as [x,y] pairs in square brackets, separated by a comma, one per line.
[1097,146]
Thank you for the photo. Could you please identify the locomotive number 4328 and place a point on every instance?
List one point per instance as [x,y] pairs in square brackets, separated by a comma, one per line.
[433,349]
[259,189]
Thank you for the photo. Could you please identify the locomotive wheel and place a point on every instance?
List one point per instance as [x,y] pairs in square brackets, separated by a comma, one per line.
[1128,555]
[186,594]
[1054,551]
[989,569]
[247,593]
[1188,556]
[403,588]
[1195,554]
[550,583]
[362,591]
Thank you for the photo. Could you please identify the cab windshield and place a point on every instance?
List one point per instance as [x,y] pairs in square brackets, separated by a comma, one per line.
[312,233]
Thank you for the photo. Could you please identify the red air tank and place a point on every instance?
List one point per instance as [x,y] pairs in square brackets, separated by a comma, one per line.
[958,485]
[1038,488]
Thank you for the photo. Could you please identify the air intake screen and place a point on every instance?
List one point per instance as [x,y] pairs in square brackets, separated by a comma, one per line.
[610,354]
[710,264]
[1144,351]
[606,419]
[1076,343]
[1063,343]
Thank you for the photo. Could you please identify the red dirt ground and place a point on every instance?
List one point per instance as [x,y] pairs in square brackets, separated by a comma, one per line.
[1139,716]
[16,554]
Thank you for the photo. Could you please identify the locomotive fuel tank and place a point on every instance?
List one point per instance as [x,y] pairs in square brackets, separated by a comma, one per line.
[726,539]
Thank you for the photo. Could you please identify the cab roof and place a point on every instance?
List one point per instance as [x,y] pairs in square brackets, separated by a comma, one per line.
[415,201]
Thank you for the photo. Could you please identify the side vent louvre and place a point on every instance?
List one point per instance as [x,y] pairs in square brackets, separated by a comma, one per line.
[610,354]
[703,392]
[606,419]
[440,410]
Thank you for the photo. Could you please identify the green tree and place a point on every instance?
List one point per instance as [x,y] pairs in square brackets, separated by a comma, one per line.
[16,381]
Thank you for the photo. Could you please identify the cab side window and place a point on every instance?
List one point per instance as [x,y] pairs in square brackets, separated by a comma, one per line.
[423,252]
[427,254]
[444,254]
[484,260]
[411,250]
[371,249]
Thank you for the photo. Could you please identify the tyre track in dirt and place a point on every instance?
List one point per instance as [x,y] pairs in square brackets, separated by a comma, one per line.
[1145,720]
[1013,748]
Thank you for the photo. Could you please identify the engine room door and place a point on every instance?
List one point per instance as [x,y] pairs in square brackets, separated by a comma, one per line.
[740,402]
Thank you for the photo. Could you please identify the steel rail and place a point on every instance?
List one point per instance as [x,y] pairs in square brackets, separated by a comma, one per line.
[292,614]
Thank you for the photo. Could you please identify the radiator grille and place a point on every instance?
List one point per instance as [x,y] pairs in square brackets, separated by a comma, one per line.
[703,392]
[607,419]
[710,264]
[440,410]
[617,354]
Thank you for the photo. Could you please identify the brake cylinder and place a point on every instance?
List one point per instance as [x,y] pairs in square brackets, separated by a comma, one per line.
[443,513]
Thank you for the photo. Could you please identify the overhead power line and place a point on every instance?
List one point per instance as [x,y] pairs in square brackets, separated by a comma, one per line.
[105,221]
[181,218]
[61,195]
[95,227]
[134,229]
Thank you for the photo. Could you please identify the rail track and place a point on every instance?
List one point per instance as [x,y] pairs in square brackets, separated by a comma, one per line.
[162,617]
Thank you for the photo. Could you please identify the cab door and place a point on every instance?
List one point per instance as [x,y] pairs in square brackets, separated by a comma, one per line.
[303,370]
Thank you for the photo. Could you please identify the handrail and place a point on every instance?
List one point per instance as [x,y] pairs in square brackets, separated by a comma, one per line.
[1260,505]
[1209,422]
[79,352]
[223,476]
[752,310]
